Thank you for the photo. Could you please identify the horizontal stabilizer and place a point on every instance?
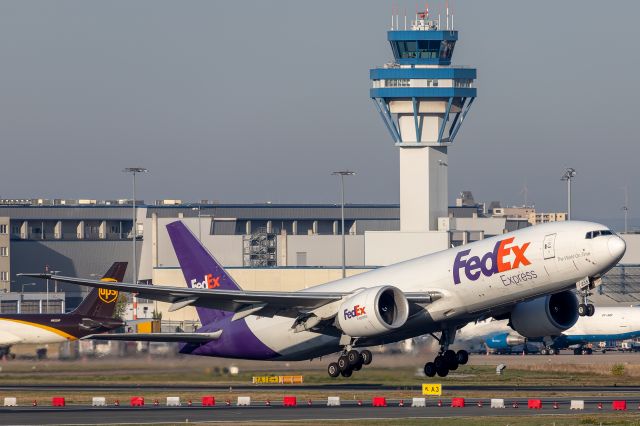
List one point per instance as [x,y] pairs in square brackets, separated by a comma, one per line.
[159,337]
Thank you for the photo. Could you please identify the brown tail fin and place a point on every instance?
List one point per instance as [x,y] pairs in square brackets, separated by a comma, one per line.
[101,302]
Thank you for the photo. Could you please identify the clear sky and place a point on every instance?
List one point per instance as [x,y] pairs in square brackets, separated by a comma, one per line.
[251,101]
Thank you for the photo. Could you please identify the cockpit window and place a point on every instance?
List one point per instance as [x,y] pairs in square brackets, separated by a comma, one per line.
[594,234]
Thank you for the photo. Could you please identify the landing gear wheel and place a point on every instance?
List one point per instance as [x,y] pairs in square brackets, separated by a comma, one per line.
[555,351]
[333,369]
[454,365]
[358,366]
[367,357]
[577,351]
[582,309]
[591,310]
[589,351]
[585,351]
[346,373]
[449,357]
[353,357]
[429,369]
[544,351]
[462,356]
[343,363]
[440,362]
[442,372]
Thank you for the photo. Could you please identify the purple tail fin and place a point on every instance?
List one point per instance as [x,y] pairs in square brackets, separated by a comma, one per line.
[200,268]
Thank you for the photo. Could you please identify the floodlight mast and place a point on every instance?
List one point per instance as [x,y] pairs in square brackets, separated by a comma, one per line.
[568,175]
[134,230]
[342,174]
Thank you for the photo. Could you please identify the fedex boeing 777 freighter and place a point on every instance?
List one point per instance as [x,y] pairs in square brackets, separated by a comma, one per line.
[527,276]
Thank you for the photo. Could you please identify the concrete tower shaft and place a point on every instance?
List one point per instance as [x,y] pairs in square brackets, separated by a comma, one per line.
[423,101]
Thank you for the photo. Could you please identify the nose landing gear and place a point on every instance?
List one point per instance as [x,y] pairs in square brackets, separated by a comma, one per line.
[585,308]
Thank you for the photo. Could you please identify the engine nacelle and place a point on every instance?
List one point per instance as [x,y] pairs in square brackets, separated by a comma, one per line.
[505,341]
[545,316]
[373,311]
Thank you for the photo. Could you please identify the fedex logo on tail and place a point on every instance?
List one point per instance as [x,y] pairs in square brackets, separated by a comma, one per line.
[355,312]
[209,281]
[490,263]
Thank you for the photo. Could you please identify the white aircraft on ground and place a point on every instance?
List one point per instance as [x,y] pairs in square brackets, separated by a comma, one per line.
[608,324]
[526,275]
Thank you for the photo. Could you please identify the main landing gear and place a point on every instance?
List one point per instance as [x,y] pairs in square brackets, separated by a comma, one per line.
[350,361]
[583,351]
[446,361]
[548,350]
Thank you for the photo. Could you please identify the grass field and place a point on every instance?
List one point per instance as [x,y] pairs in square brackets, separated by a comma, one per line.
[188,371]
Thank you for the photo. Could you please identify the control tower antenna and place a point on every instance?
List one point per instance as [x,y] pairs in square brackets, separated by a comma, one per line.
[423,101]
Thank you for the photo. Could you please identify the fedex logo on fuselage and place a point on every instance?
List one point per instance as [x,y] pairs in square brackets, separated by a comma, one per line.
[209,281]
[491,263]
[355,312]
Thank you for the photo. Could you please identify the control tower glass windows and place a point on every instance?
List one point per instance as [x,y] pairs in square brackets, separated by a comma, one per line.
[424,49]
[397,82]
[446,49]
[462,83]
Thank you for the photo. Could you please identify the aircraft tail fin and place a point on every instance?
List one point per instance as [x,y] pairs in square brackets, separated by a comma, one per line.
[101,302]
[200,268]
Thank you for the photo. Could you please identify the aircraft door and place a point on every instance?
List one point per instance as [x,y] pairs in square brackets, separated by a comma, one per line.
[549,246]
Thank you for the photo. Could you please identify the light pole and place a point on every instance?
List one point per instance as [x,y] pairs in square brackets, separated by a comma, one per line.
[22,296]
[55,282]
[625,209]
[134,171]
[134,232]
[342,174]
[568,175]
[46,270]
[199,208]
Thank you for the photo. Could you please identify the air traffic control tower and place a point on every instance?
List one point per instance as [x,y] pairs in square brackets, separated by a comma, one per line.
[423,101]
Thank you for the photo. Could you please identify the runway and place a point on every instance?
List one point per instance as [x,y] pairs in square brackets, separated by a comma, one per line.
[345,387]
[318,411]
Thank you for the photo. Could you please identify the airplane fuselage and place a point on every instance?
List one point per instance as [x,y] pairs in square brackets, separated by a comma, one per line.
[479,279]
[50,328]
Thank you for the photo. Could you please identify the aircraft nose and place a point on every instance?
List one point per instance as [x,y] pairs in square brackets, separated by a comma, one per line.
[617,247]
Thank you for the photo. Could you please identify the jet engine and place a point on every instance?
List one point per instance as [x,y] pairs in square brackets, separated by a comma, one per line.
[505,341]
[373,311]
[545,316]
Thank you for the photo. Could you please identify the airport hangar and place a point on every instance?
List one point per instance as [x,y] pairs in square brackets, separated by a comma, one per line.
[264,246]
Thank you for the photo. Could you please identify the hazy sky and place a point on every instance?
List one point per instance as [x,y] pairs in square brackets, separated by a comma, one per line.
[249,101]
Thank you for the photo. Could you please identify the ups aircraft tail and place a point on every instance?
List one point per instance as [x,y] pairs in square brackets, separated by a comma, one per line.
[101,302]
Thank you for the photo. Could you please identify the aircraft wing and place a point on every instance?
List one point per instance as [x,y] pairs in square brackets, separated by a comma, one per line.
[244,303]
[158,337]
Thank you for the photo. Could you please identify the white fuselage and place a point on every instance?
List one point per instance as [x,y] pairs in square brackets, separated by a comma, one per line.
[612,323]
[15,331]
[534,261]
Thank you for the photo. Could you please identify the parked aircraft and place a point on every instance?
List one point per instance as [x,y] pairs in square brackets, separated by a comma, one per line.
[608,324]
[93,315]
[526,275]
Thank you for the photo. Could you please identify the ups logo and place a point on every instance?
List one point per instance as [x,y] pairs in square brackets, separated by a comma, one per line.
[107,295]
